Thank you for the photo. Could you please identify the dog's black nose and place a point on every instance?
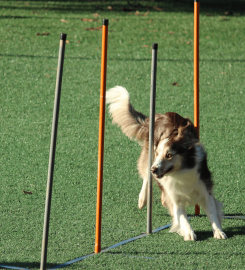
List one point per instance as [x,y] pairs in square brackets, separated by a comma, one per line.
[153,170]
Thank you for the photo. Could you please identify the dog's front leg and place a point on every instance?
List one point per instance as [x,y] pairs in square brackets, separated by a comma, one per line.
[143,194]
[213,211]
[181,224]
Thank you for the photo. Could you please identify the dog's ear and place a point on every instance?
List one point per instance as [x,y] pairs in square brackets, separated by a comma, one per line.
[162,128]
[188,131]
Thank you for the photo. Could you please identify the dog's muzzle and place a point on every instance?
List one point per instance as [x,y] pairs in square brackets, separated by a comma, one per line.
[158,173]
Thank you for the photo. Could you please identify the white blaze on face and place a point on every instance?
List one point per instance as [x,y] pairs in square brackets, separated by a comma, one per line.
[160,151]
[162,144]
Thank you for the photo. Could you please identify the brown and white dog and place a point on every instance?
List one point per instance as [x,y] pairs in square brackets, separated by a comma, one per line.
[180,162]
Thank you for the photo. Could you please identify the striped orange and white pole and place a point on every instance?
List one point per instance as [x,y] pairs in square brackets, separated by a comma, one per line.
[196,74]
[101,136]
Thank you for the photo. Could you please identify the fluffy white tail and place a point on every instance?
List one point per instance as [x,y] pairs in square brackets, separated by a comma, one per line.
[134,124]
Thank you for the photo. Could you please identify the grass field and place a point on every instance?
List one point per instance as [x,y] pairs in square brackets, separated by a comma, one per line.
[30,33]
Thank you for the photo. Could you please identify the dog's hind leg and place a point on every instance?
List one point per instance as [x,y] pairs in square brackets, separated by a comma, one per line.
[213,210]
[143,194]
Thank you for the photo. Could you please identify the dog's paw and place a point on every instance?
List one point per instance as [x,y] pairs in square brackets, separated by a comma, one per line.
[174,228]
[142,200]
[188,236]
[191,236]
[218,234]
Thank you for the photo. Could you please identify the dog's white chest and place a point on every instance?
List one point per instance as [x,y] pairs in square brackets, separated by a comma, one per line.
[184,186]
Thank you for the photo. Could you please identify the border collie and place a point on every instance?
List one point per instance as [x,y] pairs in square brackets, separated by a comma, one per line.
[180,163]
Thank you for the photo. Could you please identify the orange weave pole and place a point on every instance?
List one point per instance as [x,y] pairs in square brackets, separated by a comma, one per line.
[101,136]
[196,74]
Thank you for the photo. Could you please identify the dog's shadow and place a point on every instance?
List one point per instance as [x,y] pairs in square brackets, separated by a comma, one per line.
[230,231]
[233,231]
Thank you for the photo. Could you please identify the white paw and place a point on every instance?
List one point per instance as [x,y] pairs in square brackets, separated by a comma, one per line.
[174,228]
[191,236]
[218,234]
[142,200]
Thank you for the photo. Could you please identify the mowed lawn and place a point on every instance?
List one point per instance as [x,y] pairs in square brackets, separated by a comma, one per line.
[30,32]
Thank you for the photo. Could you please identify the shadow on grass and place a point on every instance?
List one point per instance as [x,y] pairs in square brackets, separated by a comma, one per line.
[235,231]
[23,265]
[213,7]
[201,236]
[143,255]
[230,231]
[122,59]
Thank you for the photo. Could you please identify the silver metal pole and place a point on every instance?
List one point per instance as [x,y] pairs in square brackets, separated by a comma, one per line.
[151,134]
[52,152]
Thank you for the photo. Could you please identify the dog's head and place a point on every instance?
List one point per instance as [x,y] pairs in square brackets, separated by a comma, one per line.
[174,142]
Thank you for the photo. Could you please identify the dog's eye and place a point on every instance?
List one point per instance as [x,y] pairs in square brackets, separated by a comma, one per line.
[175,132]
[169,155]
[156,153]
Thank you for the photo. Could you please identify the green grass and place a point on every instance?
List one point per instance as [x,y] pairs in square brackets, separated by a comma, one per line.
[28,65]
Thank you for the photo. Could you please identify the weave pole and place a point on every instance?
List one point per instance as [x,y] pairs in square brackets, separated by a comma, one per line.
[196,74]
[151,135]
[52,151]
[101,136]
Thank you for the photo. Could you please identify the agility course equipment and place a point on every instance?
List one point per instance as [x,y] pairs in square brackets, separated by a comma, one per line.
[151,134]
[54,135]
[52,151]
[196,65]
[111,247]
[101,135]
[196,75]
